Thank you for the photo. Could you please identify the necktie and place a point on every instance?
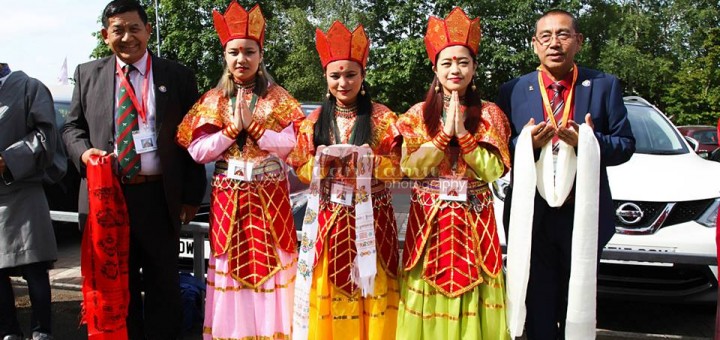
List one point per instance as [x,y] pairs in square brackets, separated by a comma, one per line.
[125,123]
[557,104]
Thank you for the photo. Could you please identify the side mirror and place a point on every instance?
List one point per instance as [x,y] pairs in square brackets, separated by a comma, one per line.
[693,143]
[715,155]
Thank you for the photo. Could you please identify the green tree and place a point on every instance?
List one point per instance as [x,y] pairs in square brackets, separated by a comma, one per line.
[694,95]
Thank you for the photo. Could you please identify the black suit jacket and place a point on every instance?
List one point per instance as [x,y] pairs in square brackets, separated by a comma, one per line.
[596,93]
[90,123]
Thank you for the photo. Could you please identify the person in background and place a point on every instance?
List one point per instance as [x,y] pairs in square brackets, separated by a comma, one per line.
[246,125]
[454,145]
[347,274]
[28,143]
[118,101]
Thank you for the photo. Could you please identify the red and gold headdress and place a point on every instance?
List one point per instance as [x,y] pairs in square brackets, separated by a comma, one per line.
[456,29]
[240,24]
[340,44]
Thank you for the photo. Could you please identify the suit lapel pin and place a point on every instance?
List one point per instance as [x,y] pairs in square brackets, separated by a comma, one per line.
[586,83]
[162,88]
[530,88]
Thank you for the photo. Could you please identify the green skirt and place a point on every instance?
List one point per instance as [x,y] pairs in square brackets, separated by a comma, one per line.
[425,313]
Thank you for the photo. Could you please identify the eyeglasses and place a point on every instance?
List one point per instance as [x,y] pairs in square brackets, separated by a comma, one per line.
[546,38]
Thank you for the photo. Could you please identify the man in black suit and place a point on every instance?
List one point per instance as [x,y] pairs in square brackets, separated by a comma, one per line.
[117,102]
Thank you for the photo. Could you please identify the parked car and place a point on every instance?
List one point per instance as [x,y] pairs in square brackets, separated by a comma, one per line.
[309,107]
[63,196]
[667,201]
[705,137]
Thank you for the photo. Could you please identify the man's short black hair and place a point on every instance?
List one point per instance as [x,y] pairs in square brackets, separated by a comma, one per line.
[116,7]
[561,12]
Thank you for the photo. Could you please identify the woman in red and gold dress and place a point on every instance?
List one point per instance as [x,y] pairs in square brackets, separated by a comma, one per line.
[346,284]
[246,125]
[454,145]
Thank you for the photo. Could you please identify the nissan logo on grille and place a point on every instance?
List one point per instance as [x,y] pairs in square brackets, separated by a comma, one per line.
[629,213]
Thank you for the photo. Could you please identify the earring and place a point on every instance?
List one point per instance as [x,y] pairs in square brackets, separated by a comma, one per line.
[362,90]
[327,95]
[437,88]
[260,73]
[474,88]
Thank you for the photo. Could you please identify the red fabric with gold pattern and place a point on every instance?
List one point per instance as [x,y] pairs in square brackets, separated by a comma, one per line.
[493,132]
[104,254]
[337,226]
[456,29]
[240,24]
[460,240]
[250,229]
[340,44]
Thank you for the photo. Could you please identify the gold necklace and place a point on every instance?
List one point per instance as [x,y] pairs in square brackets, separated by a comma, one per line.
[346,111]
[249,86]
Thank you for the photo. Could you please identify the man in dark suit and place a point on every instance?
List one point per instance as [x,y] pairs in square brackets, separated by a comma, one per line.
[117,102]
[592,97]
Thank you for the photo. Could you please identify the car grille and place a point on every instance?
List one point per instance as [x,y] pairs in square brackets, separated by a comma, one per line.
[687,211]
[672,282]
[659,214]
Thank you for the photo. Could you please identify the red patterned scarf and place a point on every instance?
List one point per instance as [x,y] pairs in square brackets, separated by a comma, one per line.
[104,254]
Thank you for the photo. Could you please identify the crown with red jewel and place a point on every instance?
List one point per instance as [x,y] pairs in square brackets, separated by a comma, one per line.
[240,24]
[456,29]
[340,44]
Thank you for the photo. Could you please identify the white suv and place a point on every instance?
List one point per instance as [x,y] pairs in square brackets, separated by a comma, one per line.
[666,199]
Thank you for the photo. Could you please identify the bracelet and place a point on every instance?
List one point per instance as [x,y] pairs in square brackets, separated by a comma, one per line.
[467,143]
[229,132]
[440,142]
[233,128]
[255,130]
[444,136]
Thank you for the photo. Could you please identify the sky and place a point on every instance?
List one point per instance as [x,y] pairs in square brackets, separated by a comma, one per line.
[37,36]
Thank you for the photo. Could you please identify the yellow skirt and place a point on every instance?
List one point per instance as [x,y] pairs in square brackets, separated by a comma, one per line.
[335,316]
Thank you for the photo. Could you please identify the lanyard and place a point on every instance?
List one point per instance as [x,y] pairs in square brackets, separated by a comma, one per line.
[141,109]
[568,103]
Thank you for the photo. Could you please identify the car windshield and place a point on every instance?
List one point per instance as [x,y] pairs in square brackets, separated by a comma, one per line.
[61,112]
[653,134]
[706,137]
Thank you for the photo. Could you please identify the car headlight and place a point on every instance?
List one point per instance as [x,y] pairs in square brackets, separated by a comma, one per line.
[709,217]
[500,187]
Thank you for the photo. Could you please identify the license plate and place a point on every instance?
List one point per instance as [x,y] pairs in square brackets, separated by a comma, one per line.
[187,248]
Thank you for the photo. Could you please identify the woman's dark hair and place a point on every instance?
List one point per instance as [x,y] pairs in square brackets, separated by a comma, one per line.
[363,123]
[123,6]
[433,107]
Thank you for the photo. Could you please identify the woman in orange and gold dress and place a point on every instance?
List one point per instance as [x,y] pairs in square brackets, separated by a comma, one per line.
[332,299]
[246,125]
[454,144]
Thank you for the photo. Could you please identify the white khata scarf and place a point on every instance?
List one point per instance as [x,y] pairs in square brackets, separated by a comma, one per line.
[365,266]
[554,182]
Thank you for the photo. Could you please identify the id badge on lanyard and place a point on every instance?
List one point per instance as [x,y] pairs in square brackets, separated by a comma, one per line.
[341,194]
[452,189]
[240,170]
[145,140]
